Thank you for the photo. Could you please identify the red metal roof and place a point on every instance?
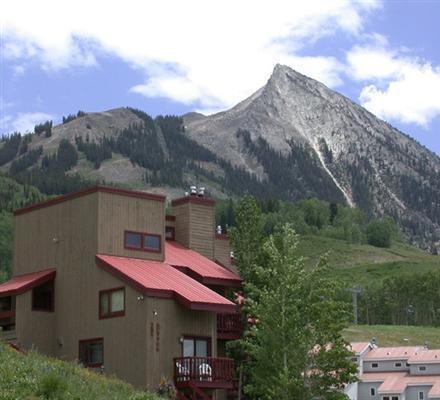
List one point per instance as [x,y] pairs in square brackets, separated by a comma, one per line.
[21,283]
[199,267]
[158,279]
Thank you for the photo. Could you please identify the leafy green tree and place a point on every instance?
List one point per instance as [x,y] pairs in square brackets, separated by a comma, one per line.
[296,350]
[380,232]
[247,237]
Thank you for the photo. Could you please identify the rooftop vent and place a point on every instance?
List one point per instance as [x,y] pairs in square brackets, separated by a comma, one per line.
[201,192]
[193,190]
[219,229]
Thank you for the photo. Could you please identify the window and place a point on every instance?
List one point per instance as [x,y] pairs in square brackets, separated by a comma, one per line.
[421,395]
[43,297]
[152,242]
[422,368]
[374,365]
[372,391]
[91,352]
[133,240]
[394,397]
[196,347]
[397,364]
[170,233]
[112,303]
[386,398]
[142,241]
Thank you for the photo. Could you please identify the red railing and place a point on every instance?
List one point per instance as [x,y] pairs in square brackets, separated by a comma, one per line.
[204,371]
[229,326]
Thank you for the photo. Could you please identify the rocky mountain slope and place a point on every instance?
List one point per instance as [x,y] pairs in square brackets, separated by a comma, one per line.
[372,164]
[292,139]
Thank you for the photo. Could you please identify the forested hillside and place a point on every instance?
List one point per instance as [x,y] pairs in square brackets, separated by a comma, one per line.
[398,283]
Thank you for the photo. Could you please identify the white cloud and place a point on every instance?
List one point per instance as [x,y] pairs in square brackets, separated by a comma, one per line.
[398,86]
[23,122]
[210,54]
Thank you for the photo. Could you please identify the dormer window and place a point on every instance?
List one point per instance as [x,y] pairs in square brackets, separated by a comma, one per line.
[142,241]
[422,368]
[397,364]
[374,365]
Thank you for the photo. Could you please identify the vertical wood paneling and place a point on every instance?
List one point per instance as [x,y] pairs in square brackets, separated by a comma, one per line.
[195,227]
[174,321]
[118,214]
[138,347]
[222,252]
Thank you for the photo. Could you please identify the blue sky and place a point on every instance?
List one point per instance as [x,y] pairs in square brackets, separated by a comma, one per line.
[171,57]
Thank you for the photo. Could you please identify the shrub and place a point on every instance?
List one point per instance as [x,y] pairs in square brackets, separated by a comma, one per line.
[52,386]
[379,233]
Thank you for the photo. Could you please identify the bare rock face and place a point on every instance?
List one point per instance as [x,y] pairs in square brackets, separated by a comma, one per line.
[375,166]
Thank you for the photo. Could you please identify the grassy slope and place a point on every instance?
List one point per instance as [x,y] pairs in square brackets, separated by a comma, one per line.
[359,264]
[393,335]
[25,376]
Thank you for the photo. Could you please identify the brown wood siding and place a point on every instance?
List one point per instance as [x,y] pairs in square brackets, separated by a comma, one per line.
[222,252]
[118,214]
[195,227]
[202,227]
[35,329]
[77,285]
[174,321]
[83,227]
[44,237]
[182,224]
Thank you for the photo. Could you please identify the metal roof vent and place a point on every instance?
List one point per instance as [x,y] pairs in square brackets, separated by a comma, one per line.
[193,190]
[219,229]
[201,192]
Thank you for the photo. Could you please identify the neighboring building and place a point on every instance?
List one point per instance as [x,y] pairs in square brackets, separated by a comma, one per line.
[103,276]
[395,373]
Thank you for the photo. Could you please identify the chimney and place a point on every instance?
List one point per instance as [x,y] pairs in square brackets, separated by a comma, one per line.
[195,221]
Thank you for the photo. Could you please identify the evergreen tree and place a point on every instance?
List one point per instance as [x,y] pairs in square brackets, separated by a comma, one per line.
[67,156]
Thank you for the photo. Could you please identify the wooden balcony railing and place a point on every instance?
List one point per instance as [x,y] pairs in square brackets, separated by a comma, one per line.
[229,326]
[209,372]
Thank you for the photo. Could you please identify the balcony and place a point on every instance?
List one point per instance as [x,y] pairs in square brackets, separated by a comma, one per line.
[229,326]
[204,372]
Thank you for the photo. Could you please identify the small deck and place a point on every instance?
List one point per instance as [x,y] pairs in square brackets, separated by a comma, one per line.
[204,372]
[229,326]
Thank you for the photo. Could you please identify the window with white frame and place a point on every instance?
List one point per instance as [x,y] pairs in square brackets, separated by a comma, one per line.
[421,395]
[372,391]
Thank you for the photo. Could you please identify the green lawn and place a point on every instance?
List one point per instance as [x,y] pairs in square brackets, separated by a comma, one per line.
[392,335]
[355,263]
[33,377]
